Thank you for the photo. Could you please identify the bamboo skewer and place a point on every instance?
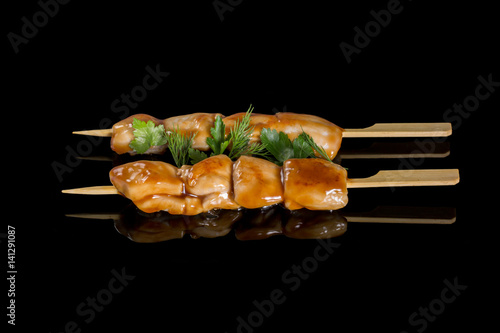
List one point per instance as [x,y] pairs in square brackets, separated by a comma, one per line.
[381,130]
[396,178]
[384,178]
[93,190]
[96,132]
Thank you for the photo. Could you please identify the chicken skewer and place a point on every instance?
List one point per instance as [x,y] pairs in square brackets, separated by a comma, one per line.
[323,132]
[215,183]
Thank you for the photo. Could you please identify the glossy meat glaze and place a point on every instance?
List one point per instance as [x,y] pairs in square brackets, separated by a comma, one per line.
[324,133]
[218,183]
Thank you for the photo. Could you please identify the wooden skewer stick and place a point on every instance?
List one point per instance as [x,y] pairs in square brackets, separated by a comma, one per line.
[396,178]
[96,132]
[382,130]
[384,178]
[93,190]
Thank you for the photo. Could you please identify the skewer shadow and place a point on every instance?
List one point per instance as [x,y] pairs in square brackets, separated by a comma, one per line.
[377,150]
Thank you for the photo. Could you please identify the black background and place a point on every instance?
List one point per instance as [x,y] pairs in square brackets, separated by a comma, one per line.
[284,56]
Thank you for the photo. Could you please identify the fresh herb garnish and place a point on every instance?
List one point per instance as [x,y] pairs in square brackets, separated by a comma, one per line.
[309,140]
[218,142]
[196,156]
[179,145]
[275,146]
[238,139]
[278,144]
[147,135]
[282,148]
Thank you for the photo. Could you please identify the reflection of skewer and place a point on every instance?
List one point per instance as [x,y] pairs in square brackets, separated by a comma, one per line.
[261,223]
[384,178]
[377,150]
[381,214]
[397,150]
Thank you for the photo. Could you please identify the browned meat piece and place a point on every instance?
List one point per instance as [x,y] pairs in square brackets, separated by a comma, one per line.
[257,182]
[314,184]
[137,180]
[257,121]
[324,133]
[154,186]
[123,134]
[211,181]
[198,123]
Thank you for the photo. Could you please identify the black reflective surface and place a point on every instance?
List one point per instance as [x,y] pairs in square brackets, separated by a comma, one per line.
[89,65]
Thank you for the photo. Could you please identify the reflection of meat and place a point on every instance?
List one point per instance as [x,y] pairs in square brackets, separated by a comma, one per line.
[260,224]
[216,183]
[306,224]
[253,224]
[161,226]
[324,133]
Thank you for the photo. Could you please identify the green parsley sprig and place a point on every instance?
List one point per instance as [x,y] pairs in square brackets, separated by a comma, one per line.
[282,148]
[238,140]
[147,135]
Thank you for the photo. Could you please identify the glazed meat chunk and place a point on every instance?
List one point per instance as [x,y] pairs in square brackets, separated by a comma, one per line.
[257,182]
[153,186]
[314,184]
[123,134]
[211,181]
[324,133]
[197,123]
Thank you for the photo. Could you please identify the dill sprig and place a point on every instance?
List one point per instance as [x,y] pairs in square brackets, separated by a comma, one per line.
[179,145]
[239,138]
[309,140]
